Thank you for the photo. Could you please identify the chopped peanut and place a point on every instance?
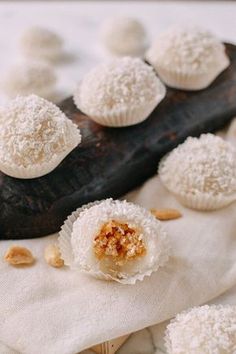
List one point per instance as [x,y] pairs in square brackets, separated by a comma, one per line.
[119,242]
[17,255]
[166,214]
[52,256]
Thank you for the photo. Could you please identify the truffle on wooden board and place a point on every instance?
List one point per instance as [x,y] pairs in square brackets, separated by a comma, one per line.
[109,162]
[201,172]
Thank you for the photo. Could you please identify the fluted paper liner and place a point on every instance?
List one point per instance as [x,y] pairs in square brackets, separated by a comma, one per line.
[122,117]
[190,80]
[66,250]
[40,169]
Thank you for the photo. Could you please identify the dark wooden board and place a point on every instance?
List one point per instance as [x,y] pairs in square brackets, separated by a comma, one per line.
[110,161]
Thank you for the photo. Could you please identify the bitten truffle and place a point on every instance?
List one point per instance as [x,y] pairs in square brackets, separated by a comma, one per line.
[124,242]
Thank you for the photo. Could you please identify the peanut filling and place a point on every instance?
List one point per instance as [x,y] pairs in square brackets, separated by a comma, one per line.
[119,242]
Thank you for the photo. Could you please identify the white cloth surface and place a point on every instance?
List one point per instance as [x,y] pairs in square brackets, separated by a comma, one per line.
[151,340]
[45,310]
[61,311]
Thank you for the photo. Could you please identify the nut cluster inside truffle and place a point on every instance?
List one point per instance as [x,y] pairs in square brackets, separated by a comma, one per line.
[118,242]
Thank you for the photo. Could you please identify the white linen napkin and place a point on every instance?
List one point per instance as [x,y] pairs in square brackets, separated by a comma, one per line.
[59,311]
[152,340]
[47,310]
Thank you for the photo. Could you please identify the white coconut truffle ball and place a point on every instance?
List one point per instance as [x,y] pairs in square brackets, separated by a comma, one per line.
[124,36]
[188,57]
[35,136]
[120,92]
[203,330]
[30,78]
[114,240]
[41,43]
[201,172]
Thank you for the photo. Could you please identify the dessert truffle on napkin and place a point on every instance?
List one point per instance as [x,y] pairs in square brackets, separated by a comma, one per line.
[203,330]
[119,93]
[114,240]
[35,136]
[188,58]
[201,172]
[41,43]
[124,36]
[30,77]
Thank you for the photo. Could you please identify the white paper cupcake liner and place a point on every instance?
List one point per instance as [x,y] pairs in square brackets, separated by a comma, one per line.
[123,117]
[38,170]
[205,202]
[191,81]
[64,238]
[202,201]
[64,241]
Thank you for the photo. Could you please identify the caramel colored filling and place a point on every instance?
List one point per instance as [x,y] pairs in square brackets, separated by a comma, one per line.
[119,242]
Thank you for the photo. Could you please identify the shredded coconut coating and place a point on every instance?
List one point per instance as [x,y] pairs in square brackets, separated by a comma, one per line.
[145,246]
[124,36]
[118,84]
[203,330]
[200,165]
[41,42]
[186,50]
[33,131]
[30,77]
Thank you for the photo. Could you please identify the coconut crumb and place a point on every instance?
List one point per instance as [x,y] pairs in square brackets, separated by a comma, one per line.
[118,241]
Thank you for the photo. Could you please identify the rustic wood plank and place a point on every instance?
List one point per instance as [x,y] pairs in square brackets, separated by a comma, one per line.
[110,162]
[111,346]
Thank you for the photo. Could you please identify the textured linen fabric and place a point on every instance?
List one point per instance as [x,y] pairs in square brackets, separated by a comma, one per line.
[59,311]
